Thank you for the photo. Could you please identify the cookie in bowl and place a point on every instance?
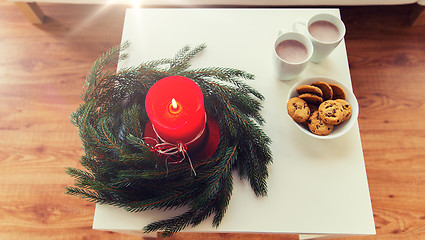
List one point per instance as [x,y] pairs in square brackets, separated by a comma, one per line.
[331,112]
[318,126]
[298,109]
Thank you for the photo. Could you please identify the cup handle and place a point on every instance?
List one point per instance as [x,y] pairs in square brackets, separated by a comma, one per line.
[300,25]
[282,31]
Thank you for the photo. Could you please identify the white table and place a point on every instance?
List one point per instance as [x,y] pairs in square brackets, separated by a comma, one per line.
[317,188]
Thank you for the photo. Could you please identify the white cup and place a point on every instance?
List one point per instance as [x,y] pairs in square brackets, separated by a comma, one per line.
[325,32]
[292,52]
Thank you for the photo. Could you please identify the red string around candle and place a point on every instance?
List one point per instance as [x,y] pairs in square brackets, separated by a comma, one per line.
[172,151]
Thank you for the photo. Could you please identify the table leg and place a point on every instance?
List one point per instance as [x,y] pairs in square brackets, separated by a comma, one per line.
[31,11]
[418,16]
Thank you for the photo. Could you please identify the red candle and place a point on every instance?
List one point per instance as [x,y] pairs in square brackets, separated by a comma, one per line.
[175,107]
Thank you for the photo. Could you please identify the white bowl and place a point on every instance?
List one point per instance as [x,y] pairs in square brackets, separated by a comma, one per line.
[340,129]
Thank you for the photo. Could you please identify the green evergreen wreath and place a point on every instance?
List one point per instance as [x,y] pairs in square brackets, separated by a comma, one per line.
[121,169]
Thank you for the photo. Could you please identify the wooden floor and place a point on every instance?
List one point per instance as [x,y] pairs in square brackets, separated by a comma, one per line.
[42,71]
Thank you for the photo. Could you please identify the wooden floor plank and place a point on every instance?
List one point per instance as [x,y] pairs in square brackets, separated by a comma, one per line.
[42,71]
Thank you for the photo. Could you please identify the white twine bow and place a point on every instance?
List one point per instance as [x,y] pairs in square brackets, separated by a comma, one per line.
[173,149]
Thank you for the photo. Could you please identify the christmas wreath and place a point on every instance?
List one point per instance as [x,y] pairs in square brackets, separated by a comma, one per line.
[122,170]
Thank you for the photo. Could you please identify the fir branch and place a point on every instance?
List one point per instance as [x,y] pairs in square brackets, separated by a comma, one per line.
[223,198]
[193,217]
[91,164]
[222,170]
[162,202]
[182,58]
[80,175]
[229,75]
[90,196]
[108,58]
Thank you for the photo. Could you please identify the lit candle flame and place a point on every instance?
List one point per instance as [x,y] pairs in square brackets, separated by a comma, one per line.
[174,103]
[174,108]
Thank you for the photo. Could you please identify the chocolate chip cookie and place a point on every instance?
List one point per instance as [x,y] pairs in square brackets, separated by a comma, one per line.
[346,109]
[318,126]
[326,89]
[338,92]
[311,98]
[331,112]
[298,109]
[309,89]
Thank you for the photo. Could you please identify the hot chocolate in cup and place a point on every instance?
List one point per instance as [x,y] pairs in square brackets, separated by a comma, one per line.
[292,52]
[325,32]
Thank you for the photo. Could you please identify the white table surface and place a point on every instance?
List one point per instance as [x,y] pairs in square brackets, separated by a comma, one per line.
[315,186]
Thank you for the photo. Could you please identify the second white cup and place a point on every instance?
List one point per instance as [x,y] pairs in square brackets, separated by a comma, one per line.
[325,32]
[292,52]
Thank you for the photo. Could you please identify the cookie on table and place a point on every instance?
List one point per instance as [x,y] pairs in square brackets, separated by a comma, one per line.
[318,126]
[326,89]
[298,109]
[338,92]
[331,112]
[346,109]
[309,89]
[311,98]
